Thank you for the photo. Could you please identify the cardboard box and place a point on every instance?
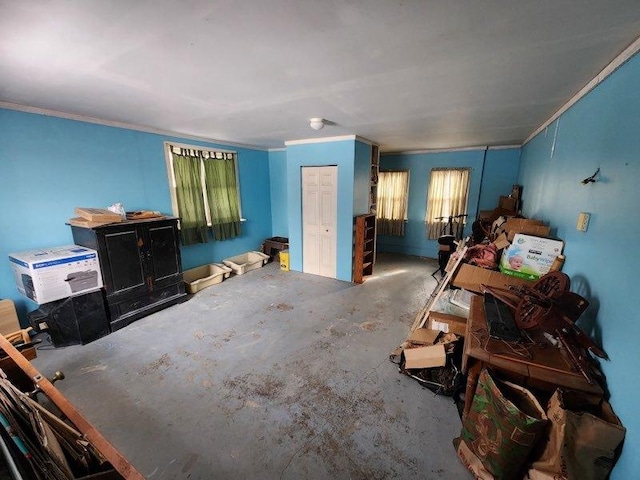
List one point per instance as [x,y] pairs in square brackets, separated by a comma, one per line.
[84,223]
[447,323]
[489,215]
[528,226]
[530,257]
[501,242]
[535,230]
[98,214]
[55,273]
[472,278]
[423,336]
[425,357]
[507,203]
[9,322]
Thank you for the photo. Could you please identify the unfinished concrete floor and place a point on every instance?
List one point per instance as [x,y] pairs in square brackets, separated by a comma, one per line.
[270,375]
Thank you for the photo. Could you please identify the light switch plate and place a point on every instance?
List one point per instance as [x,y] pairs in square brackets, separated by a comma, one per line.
[583,221]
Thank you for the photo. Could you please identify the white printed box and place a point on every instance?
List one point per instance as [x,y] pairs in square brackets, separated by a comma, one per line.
[530,257]
[55,273]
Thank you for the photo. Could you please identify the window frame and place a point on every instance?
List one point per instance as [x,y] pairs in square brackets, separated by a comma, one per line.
[172,177]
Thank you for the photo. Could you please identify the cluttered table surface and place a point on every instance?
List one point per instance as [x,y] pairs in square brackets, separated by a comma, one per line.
[537,363]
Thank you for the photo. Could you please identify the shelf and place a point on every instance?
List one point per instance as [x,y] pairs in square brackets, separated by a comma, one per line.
[364,235]
[364,246]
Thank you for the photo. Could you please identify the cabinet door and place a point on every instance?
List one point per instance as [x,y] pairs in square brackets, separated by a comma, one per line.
[124,272]
[163,254]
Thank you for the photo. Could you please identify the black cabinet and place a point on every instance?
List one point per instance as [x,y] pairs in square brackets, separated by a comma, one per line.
[141,266]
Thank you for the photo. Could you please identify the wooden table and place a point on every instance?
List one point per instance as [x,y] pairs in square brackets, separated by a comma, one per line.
[542,366]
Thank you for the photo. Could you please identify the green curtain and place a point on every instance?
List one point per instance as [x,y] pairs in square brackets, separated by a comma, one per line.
[222,195]
[193,222]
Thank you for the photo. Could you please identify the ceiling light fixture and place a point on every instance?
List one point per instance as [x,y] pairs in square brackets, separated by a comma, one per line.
[316,123]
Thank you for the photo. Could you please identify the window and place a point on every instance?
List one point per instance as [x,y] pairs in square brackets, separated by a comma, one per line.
[393,194]
[447,200]
[204,192]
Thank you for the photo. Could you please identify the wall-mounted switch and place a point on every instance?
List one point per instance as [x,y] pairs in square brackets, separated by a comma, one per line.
[583,221]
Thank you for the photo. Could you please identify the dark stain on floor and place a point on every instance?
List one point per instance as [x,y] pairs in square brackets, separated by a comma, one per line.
[328,420]
[283,307]
[163,361]
[369,326]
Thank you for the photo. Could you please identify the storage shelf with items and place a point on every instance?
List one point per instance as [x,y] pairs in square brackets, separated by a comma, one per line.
[373,179]
[364,246]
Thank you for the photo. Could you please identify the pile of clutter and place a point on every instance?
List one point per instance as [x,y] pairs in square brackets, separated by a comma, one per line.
[87,217]
[509,431]
[432,357]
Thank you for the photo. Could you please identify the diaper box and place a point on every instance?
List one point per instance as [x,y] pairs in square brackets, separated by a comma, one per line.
[530,257]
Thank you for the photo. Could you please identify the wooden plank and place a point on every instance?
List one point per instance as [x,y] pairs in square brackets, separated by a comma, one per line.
[117,460]
[97,214]
[441,288]
[8,317]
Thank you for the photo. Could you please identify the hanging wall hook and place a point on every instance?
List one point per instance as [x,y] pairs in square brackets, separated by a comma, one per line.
[591,179]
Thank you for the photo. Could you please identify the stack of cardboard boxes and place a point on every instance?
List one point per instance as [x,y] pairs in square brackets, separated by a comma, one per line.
[527,254]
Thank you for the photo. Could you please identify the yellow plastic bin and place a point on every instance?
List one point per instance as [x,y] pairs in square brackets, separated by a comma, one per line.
[284,260]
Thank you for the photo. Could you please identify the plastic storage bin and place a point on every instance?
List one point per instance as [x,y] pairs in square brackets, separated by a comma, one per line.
[195,279]
[246,262]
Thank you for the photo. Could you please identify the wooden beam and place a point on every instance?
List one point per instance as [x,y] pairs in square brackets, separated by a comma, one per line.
[117,460]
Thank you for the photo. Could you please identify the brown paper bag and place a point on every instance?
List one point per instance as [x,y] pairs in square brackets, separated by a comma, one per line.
[503,426]
[582,440]
[472,462]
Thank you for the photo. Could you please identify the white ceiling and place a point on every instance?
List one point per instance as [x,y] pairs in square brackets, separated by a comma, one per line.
[408,74]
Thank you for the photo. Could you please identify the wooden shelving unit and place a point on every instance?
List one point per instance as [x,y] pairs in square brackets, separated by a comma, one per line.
[373,179]
[373,190]
[364,247]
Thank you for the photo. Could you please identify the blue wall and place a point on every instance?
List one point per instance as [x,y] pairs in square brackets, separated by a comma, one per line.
[50,165]
[419,165]
[601,130]
[340,153]
[278,185]
[501,167]
[362,178]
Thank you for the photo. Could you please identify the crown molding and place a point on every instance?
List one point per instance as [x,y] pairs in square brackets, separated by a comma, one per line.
[127,126]
[616,63]
[304,141]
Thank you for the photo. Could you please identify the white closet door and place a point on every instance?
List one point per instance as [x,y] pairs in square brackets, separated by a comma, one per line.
[319,218]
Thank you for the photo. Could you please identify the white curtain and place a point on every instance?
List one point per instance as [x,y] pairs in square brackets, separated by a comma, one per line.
[447,197]
[393,194]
